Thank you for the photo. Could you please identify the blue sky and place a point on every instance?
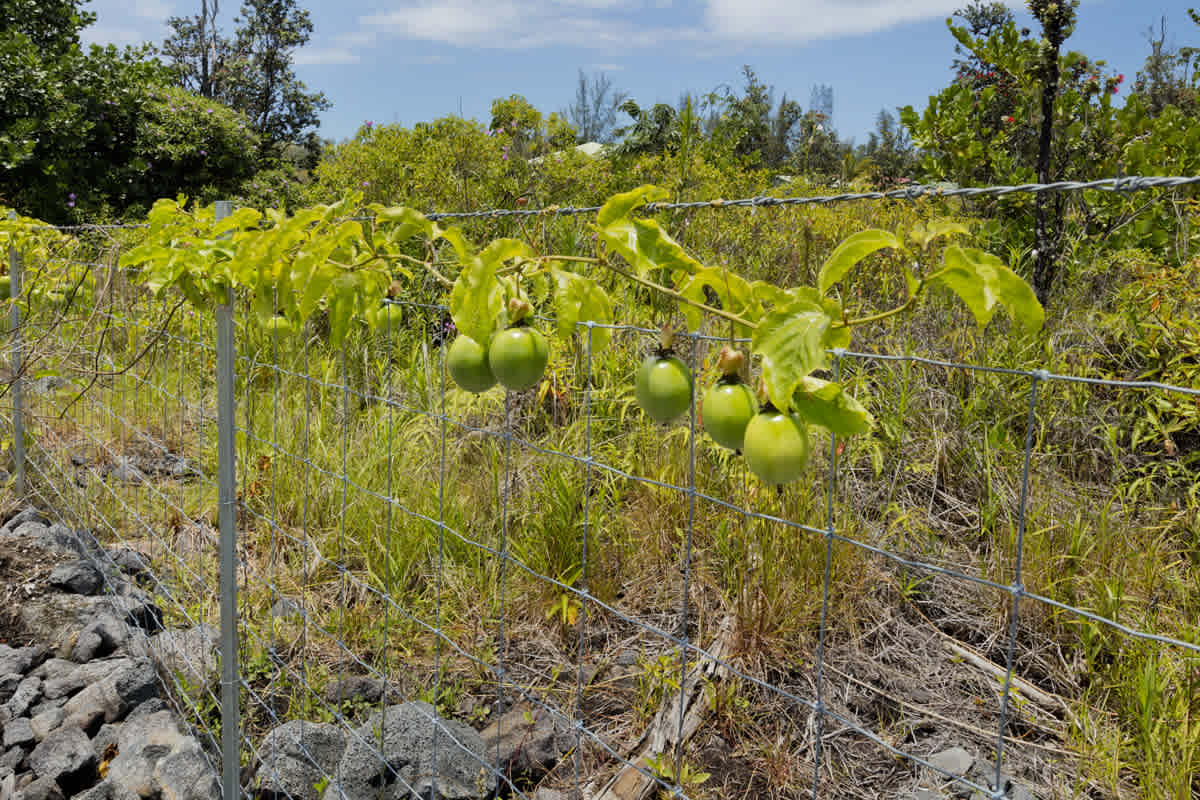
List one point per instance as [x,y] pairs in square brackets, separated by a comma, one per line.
[411,60]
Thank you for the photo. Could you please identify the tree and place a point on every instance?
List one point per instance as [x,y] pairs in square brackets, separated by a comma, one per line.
[197,50]
[747,122]
[51,26]
[1058,22]
[252,73]
[889,149]
[1169,74]
[594,112]
[820,101]
[654,130]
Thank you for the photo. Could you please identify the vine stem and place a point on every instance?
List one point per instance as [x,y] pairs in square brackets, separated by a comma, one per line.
[669,292]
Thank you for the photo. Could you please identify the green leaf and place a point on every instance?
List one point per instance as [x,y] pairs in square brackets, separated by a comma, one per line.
[579,299]
[501,250]
[983,281]
[403,223]
[827,404]
[477,299]
[460,244]
[735,293]
[343,303]
[850,252]
[646,246]
[924,234]
[620,206]
[240,219]
[792,344]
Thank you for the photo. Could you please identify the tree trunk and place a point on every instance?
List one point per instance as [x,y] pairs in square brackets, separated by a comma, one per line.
[1046,240]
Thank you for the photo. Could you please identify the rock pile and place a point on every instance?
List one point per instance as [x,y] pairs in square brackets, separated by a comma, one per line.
[80,707]
[82,713]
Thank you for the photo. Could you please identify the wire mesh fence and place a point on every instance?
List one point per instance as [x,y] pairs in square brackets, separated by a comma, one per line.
[481,596]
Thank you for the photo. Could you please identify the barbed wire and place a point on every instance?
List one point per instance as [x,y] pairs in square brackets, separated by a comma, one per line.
[914,192]
[1122,185]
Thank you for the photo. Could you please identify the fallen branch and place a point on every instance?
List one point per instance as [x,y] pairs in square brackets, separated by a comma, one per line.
[664,734]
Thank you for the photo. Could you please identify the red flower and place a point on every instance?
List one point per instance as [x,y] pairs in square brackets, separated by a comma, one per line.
[1008,119]
[1120,79]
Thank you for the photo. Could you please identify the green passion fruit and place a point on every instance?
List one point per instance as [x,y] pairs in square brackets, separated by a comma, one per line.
[391,318]
[776,446]
[725,411]
[467,363]
[518,357]
[663,387]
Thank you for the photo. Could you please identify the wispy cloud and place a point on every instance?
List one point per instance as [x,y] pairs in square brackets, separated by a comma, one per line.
[522,24]
[791,21]
[632,24]
[310,56]
[123,22]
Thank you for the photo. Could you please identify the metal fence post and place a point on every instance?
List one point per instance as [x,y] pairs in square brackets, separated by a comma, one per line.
[227,493]
[15,268]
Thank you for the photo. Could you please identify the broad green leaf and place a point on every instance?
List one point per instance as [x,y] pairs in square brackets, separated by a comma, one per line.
[477,299]
[769,293]
[735,293]
[501,250]
[343,303]
[145,254]
[807,298]
[239,219]
[460,244]
[827,404]
[620,206]
[792,344]
[647,247]
[579,299]
[403,223]
[983,281]
[850,252]
[316,283]
[924,234]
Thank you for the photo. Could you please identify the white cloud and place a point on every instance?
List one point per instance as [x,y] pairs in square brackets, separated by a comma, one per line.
[782,21]
[521,24]
[623,24]
[308,56]
[123,22]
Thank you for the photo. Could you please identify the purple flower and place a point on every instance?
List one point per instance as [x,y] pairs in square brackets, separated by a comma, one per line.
[210,111]
[366,183]
[203,152]
[70,204]
[504,157]
[71,196]
[369,124]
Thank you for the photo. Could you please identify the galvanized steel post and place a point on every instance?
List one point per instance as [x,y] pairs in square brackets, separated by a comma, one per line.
[227,497]
[15,268]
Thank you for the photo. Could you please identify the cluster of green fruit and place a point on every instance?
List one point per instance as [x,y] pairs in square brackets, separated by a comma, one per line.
[775,444]
[515,357]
